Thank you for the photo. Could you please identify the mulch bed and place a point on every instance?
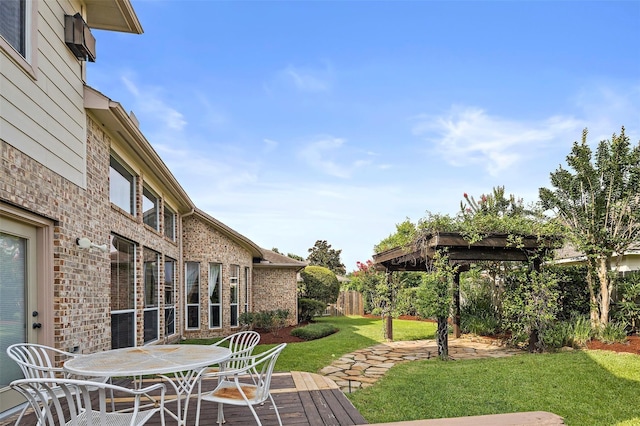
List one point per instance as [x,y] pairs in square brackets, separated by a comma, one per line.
[284,336]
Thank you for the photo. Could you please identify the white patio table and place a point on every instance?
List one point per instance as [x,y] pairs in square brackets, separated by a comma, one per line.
[184,362]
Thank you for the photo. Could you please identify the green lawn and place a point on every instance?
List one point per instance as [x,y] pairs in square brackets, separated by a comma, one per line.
[584,387]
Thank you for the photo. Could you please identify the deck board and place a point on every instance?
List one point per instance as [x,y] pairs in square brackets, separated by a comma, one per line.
[303,399]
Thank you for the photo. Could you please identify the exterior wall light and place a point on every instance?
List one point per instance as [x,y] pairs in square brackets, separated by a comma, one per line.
[85,243]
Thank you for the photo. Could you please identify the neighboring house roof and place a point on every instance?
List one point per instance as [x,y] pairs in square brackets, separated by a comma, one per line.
[113,15]
[272,259]
[568,253]
[254,249]
[112,116]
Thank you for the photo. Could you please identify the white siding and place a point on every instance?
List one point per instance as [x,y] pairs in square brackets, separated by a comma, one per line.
[45,117]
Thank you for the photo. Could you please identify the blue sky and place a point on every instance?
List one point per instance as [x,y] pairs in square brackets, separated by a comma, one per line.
[297,121]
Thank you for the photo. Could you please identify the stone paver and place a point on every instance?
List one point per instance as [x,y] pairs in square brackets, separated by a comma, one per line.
[363,367]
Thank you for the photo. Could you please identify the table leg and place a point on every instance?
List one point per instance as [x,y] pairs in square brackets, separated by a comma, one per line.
[183,383]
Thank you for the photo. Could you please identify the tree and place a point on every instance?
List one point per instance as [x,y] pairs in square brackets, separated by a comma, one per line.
[295,256]
[599,205]
[321,254]
[320,283]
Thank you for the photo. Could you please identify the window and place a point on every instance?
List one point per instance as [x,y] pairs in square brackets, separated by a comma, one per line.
[215,295]
[247,275]
[13,24]
[234,276]
[151,288]
[192,288]
[123,287]
[150,209]
[169,223]
[169,296]
[122,189]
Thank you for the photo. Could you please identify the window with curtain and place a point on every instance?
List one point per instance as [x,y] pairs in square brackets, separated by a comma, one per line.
[234,276]
[13,24]
[151,289]
[247,276]
[169,296]
[215,295]
[123,292]
[192,296]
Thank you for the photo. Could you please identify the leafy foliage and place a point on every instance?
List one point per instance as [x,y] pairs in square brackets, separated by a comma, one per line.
[272,321]
[321,254]
[627,308]
[530,305]
[314,331]
[599,205]
[319,283]
[309,308]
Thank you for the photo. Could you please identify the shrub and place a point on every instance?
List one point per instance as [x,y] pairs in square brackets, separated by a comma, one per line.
[309,308]
[314,331]
[555,336]
[405,301]
[319,283]
[482,325]
[581,331]
[271,321]
[613,332]
[247,320]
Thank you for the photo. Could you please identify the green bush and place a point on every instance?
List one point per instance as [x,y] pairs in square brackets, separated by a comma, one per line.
[319,283]
[309,308]
[581,331]
[613,332]
[482,325]
[271,321]
[555,336]
[314,331]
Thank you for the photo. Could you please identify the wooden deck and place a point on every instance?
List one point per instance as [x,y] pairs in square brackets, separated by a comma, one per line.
[302,399]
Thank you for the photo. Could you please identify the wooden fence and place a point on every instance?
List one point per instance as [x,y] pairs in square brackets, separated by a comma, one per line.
[349,303]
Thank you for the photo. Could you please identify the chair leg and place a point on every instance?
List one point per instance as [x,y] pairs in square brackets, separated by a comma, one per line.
[220,414]
[24,410]
[275,408]
[256,415]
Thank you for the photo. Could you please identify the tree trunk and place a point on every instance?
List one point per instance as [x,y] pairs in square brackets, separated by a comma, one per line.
[443,338]
[594,312]
[604,266]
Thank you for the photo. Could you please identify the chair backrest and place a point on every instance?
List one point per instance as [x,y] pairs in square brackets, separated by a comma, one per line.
[73,402]
[38,361]
[241,344]
[261,369]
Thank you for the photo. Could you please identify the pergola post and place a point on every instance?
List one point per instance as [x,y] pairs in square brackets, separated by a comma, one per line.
[389,319]
[456,304]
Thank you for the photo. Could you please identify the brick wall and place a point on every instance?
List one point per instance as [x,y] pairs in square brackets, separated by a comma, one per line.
[275,288]
[204,244]
[79,292]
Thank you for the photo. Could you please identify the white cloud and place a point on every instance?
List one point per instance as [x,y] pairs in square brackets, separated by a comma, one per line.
[326,154]
[269,145]
[150,107]
[307,80]
[468,136]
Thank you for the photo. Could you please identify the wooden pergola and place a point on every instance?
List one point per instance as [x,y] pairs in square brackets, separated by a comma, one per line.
[495,247]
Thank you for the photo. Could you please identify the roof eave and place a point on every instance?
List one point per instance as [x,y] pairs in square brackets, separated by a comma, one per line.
[112,116]
[113,15]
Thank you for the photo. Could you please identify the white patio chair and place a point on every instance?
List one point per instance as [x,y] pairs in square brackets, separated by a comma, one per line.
[39,362]
[241,345]
[73,403]
[248,385]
